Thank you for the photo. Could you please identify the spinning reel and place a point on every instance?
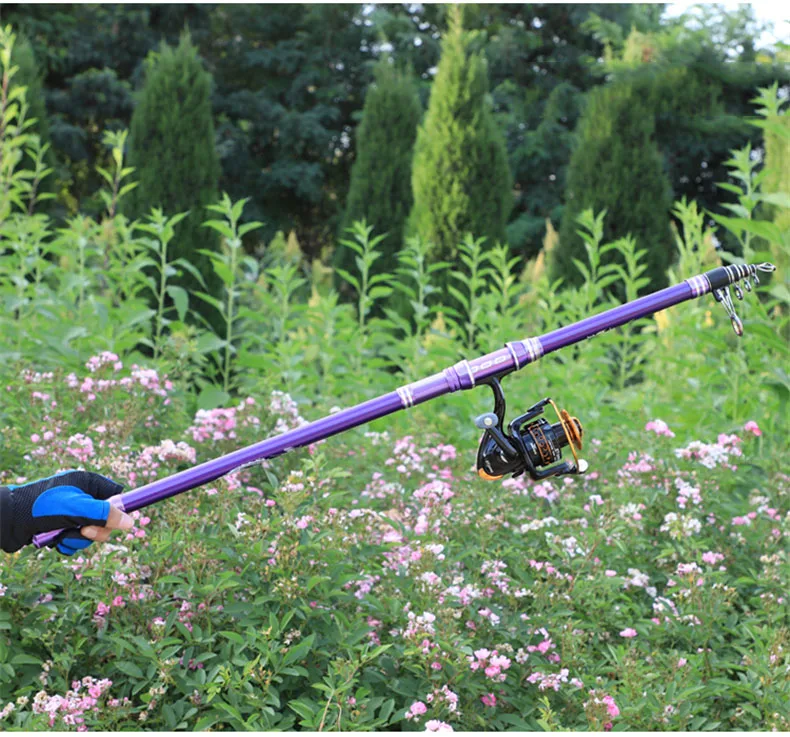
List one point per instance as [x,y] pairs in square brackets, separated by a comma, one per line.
[530,444]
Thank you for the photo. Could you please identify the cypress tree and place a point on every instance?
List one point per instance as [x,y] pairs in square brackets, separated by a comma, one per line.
[460,176]
[617,166]
[380,189]
[171,146]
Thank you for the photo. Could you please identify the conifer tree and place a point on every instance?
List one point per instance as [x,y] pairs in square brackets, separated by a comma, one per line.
[617,166]
[380,189]
[460,176]
[171,146]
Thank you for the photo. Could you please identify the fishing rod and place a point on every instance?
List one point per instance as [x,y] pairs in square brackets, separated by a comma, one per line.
[531,443]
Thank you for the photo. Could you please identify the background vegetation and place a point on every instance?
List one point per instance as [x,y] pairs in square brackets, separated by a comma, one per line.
[373,581]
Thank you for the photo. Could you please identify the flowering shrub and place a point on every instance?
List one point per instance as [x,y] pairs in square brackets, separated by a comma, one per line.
[391,588]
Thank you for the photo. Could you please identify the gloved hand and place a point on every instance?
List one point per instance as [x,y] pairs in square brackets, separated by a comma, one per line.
[66,500]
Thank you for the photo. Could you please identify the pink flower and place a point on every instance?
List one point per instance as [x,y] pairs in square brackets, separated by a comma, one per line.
[712,558]
[753,428]
[434,725]
[659,427]
[102,609]
[416,709]
[682,662]
[610,573]
[627,632]
[488,700]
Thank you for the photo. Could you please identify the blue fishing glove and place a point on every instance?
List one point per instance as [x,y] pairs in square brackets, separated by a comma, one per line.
[72,499]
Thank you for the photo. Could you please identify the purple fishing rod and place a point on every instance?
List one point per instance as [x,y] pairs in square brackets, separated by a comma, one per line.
[530,444]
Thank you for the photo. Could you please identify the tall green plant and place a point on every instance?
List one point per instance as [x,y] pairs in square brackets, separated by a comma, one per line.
[172,149]
[380,190]
[15,131]
[460,176]
[472,282]
[774,119]
[39,157]
[234,269]
[162,231]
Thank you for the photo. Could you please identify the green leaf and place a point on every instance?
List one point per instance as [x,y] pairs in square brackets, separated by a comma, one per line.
[205,723]
[380,292]
[184,264]
[303,709]
[223,271]
[129,668]
[213,301]
[212,397]
[180,299]
[248,227]
[348,278]
[221,227]
[232,710]
[209,342]
[233,636]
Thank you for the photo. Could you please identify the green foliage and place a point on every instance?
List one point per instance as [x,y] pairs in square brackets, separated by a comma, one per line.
[697,78]
[290,83]
[775,121]
[162,230]
[617,167]
[460,175]
[380,188]
[171,147]
[539,163]
[41,160]
[235,270]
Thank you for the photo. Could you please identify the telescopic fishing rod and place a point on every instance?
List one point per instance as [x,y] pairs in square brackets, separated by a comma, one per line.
[530,444]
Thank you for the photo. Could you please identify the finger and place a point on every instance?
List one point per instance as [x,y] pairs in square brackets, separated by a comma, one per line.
[97,534]
[72,542]
[118,520]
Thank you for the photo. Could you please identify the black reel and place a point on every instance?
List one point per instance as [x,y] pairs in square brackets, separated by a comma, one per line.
[531,443]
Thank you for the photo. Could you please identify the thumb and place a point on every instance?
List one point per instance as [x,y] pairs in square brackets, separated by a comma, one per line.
[118,520]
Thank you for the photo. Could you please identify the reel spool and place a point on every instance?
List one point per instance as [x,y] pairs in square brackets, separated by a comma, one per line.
[531,443]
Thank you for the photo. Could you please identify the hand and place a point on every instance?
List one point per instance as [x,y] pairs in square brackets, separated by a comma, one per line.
[66,500]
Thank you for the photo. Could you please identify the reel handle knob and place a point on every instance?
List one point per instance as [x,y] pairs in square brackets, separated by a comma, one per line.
[487,421]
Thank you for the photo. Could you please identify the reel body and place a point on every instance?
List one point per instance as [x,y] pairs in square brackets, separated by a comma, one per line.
[531,443]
